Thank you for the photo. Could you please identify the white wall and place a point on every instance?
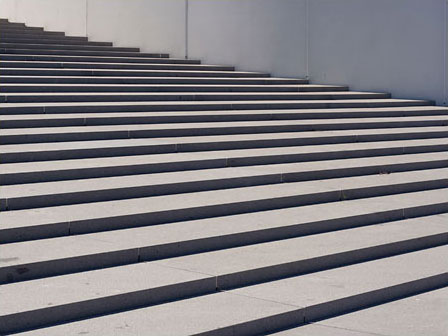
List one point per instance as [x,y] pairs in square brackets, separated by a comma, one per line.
[59,15]
[259,35]
[397,46]
[152,25]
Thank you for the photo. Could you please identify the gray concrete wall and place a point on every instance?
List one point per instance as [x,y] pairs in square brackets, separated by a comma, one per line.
[397,46]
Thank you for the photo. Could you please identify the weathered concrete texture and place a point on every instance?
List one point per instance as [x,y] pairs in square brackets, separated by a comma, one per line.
[297,298]
[220,269]
[146,190]
[423,314]
[99,216]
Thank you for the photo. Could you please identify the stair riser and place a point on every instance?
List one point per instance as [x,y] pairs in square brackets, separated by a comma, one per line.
[207,163]
[27,51]
[60,41]
[46,176]
[21,203]
[64,47]
[56,267]
[179,88]
[329,309]
[180,97]
[5,24]
[148,80]
[131,66]
[41,37]
[163,133]
[125,73]
[365,300]
[203,212]
[39,318]
[204,106]
[159,295]
[97,59]
[97,121]
[34,33]
[20,29]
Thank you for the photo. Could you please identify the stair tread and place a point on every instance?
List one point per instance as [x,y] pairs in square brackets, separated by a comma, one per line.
[91,285]
[75,164]
[237,79]
[422,314]
[219,125]
[223,105]
[427,109]
[53,41]
[233,308]
[22,50]
[146,240]
[125,210]
[185,96]
[58,46]
[136,70]
[94,57]
[329,285]
[218,94]
[58,64]
[220,154]
[298,86]
[154,179]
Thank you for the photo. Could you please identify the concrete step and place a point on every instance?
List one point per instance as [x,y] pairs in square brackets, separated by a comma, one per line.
[422,314]
[207,273]
[130,118]
[183,96]
[127,73]
[18,88]
[71,252]
[21,173]
[26,50]
[109,132]
[120,214]
[20,29]
[96,59]
[104,65]
[31,33]
[4,24]
[56,88]
[97,107]
[268,307]
[42,36]
[54,41]
[43,46]
[139,156]
[46,194]
[149,80]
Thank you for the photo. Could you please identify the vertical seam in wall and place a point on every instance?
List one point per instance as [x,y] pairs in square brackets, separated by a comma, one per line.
[445,55]
[186,28]
[307,38]
[87,18]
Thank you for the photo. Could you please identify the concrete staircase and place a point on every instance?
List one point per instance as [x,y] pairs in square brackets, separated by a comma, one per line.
[146,195]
